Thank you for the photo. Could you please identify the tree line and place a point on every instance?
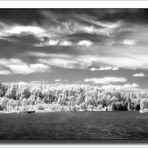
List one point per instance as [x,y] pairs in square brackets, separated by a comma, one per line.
[21,97]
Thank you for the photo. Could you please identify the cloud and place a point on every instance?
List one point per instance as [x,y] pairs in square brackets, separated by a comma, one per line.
[99,27]
[69,27]
[107,47]
[55,34]
[8,30]
[128,42]
[4,72]
[27,69]
[59,62]
[55,29]
[17,66]
[16,29]
[139,75]
[85,43]
[69,62]
[110,25]
[54,42]
[103,24]
[104,68]
[118,59]
[125,86]
[114,61]
[78,82]
[57,80]
[65,43]
[5,62]
[122,62]
[51,42]
[46,55]
[106,80]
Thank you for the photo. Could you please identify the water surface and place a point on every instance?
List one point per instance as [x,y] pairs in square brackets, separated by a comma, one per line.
[74,126]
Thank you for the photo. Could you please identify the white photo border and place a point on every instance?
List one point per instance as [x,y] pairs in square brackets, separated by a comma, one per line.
[71,4]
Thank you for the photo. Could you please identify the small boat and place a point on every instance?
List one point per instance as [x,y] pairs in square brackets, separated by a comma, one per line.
[30,112]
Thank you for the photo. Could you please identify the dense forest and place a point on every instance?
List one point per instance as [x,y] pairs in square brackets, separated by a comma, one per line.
[41,97]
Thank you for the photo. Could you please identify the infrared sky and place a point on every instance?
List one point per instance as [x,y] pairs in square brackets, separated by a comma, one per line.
[104,47]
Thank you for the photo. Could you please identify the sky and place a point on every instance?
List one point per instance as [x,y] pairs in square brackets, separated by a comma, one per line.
[103,47]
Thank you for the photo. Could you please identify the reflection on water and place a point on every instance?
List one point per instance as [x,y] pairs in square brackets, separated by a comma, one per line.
[74,125]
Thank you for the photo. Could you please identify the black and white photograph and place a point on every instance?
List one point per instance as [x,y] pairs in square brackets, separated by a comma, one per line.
[74,74]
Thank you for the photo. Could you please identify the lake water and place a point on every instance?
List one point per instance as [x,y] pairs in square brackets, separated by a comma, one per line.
[74,126]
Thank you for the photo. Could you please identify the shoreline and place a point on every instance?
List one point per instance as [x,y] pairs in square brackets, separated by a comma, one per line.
[34,112]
